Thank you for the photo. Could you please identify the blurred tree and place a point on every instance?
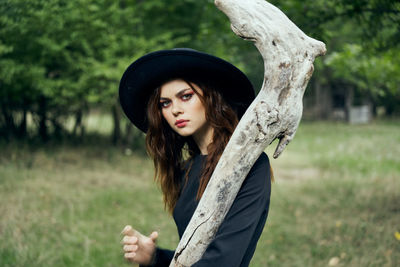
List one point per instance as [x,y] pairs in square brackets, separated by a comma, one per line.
[362,38]
[374,22]
[200,25]
[61,58]
[377,76]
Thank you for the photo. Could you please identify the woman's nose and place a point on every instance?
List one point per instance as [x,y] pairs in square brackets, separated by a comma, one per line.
[176,110]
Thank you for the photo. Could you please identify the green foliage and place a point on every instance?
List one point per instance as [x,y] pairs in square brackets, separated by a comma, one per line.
[62,58]
[59,57]
[375,22]
[362,39]
[377,74]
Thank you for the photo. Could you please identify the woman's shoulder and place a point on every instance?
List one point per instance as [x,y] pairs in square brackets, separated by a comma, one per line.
[261,163]
[259,174]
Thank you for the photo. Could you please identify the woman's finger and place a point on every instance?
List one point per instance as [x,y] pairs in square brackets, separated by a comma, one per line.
[130,256]
[130,248]
[128,230]
[153,236]
[129,240]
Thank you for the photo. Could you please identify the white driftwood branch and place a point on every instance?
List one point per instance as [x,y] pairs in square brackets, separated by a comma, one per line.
[288,56]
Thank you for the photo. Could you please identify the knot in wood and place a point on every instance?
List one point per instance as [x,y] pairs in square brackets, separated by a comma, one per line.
[265,116]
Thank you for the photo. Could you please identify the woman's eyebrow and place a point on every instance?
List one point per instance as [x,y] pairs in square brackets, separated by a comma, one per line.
[181,92]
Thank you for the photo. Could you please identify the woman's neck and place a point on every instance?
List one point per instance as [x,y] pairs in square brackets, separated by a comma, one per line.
[203,138]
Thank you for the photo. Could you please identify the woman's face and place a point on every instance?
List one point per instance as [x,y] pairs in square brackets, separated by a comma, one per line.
[182,109]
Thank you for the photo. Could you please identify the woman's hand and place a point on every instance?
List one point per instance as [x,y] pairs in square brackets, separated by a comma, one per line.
[137,247]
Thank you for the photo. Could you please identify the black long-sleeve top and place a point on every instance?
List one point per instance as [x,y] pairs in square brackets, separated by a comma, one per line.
[237,237]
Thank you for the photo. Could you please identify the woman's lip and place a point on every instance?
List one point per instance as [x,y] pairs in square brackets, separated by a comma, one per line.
[181,123]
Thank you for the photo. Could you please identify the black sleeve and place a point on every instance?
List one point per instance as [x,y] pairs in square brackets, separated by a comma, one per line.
[162,258]
[236,239]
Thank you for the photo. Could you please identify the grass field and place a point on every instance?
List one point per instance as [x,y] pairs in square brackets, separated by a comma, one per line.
[335,202]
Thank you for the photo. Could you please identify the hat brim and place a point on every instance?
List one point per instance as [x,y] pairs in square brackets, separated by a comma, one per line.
[147,73]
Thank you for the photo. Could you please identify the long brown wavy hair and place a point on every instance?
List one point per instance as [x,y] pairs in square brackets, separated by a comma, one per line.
[170,151]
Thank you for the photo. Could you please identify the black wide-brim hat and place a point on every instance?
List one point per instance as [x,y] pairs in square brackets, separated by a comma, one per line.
[149,72]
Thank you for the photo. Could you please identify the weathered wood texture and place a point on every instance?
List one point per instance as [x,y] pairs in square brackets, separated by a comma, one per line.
[288,56]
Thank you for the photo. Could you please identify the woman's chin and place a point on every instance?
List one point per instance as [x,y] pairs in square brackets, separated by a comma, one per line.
[184,132]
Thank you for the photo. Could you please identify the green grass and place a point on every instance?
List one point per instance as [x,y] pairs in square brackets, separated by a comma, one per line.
[337,194]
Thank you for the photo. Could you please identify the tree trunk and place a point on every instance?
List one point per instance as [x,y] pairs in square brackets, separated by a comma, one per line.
[58,128]
[43,133]
[288,56]
[128,134]
[10,127]
[116,115]
[318,101]
[349,98]
[79,128]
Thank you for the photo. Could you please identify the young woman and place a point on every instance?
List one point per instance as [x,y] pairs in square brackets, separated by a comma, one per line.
[188,103]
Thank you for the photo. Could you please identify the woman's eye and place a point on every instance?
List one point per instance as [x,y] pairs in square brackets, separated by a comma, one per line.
[187,96]
[164,104]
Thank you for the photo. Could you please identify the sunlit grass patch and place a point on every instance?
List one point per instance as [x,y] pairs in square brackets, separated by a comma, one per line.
[347,207]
